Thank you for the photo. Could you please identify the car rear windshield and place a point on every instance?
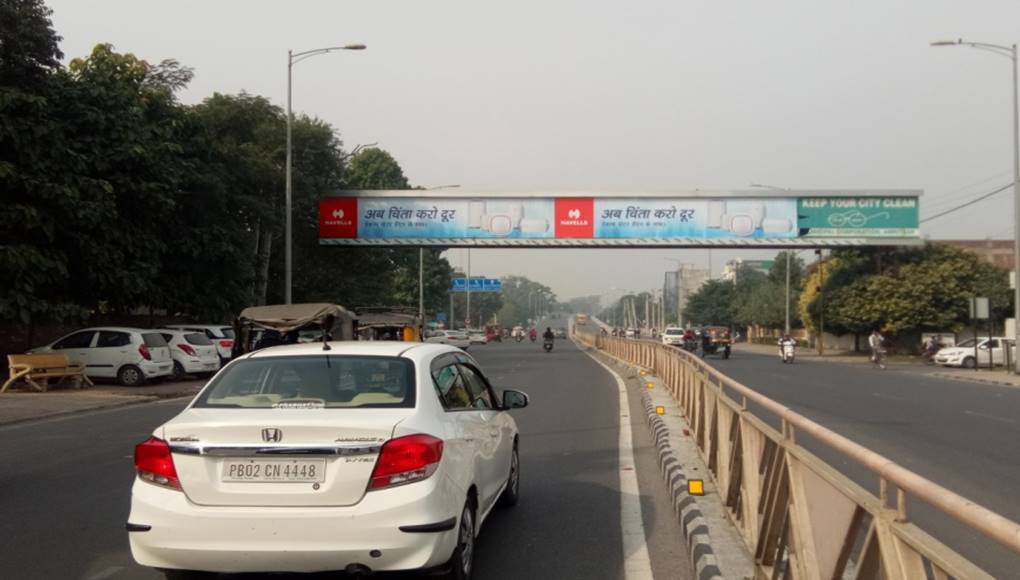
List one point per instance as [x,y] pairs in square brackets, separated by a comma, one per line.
[197,339]
[227,332]
[674,331]
[153,339]
[313,382]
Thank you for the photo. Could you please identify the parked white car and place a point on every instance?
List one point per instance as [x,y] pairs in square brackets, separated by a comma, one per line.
[988,349]
[457,338]
[193,353]
[372,456]
[221,336]
[130,355]
[477,336]
[673,336]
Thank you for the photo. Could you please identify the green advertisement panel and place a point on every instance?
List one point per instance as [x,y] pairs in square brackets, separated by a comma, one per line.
[845,216]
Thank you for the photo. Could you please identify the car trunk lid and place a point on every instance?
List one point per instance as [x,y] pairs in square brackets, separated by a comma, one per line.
[278,457]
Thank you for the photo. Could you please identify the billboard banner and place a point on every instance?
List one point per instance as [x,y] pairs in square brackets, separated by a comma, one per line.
[854,216]
[534,220]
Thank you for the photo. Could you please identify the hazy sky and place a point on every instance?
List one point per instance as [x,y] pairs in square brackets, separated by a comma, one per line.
[619,96]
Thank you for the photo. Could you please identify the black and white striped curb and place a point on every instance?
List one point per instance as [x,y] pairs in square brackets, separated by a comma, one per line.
[692,521]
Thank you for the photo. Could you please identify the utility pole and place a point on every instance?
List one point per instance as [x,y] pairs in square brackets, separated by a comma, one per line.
[467,313]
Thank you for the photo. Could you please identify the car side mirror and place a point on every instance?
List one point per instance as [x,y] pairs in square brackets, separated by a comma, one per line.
[514,400]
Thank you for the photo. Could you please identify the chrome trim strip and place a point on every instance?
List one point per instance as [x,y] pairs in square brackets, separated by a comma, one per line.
[274,450]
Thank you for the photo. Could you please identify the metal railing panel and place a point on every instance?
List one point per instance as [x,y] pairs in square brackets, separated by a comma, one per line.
[799,516]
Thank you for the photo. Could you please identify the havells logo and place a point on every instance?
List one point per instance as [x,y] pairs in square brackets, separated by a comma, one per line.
[575,217]
[338,217]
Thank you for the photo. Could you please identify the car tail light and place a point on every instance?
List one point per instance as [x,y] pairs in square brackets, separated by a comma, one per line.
[406,460]
[144,351]
[187,349]
[154,463]
[226,343]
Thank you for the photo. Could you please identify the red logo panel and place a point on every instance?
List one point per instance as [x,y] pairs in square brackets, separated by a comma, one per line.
[575,217]
[338,217]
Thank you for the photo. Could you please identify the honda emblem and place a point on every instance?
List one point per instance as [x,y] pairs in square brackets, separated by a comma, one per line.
[272,435]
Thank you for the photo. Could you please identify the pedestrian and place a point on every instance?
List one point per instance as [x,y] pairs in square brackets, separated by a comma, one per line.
[875,342]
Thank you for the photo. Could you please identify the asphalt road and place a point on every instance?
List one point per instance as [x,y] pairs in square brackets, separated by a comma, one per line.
[65,483]
[963,436]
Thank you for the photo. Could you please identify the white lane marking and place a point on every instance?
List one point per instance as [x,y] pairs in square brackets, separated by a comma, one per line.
[106,573]
[637,565]
[992,417]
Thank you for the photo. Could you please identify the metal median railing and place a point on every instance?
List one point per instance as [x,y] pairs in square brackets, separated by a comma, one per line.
[800,517]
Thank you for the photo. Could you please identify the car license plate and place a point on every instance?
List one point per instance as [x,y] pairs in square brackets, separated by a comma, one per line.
[274,471]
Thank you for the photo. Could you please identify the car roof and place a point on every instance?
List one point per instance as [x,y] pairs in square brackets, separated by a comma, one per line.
[218,326]
[113,328]
[180,331]
[357,347]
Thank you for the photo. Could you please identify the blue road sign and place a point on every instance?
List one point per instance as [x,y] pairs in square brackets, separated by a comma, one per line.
[441,316]
[477,285]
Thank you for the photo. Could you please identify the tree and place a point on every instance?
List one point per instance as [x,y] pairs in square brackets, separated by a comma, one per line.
[520,296]
[374,168]
[712,303]
[32,182]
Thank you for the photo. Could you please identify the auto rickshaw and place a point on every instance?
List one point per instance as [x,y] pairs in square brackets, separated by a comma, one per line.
[715,340]
[388,323]
[264,326]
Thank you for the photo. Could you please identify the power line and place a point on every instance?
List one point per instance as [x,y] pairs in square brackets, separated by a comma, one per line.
[969,203]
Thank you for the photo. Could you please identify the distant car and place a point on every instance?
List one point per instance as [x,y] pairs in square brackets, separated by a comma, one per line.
[962,355]
[130,355]
[222,337]
[390,457]
[673,336]
[455,338]
[193,353]
[631,333]
[477,336]
[560,333]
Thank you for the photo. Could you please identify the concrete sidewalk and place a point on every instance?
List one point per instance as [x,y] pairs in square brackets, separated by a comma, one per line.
[21,406]
[998,376]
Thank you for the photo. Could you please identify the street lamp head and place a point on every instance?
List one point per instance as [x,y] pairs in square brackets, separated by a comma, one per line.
[947,42]
[354,47]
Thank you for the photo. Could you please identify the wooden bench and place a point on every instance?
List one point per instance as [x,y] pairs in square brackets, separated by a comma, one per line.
[38,369]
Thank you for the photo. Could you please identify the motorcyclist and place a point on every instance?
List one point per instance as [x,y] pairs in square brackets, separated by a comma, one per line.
[548,334]
[533,334]
[875,342]
[783,341]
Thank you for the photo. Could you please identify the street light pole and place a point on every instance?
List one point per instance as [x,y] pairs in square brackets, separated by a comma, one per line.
[292,59]
[1009,52]
[421,284]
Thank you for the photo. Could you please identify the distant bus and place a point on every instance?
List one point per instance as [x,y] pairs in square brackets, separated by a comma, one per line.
[581,319]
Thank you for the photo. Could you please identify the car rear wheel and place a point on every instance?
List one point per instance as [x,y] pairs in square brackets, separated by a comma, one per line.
[512,492]
[130,376]
[462,562]
[178,372]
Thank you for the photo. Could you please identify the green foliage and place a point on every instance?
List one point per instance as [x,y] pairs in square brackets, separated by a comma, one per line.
[374,168]
[713,303]
[905,290]
[520,299]
[115,196]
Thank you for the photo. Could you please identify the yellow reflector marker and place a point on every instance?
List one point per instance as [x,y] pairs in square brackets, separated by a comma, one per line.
[660,410]
[643,373]
[695,487]
[650,386]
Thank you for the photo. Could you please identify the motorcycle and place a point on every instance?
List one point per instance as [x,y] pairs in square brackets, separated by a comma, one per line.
[520,338]
[786,351]
[533,337]
[547,345]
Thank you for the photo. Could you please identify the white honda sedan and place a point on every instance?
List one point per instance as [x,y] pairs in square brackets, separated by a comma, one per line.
[363,457]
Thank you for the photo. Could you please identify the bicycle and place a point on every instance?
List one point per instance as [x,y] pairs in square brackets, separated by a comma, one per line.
[878,358]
